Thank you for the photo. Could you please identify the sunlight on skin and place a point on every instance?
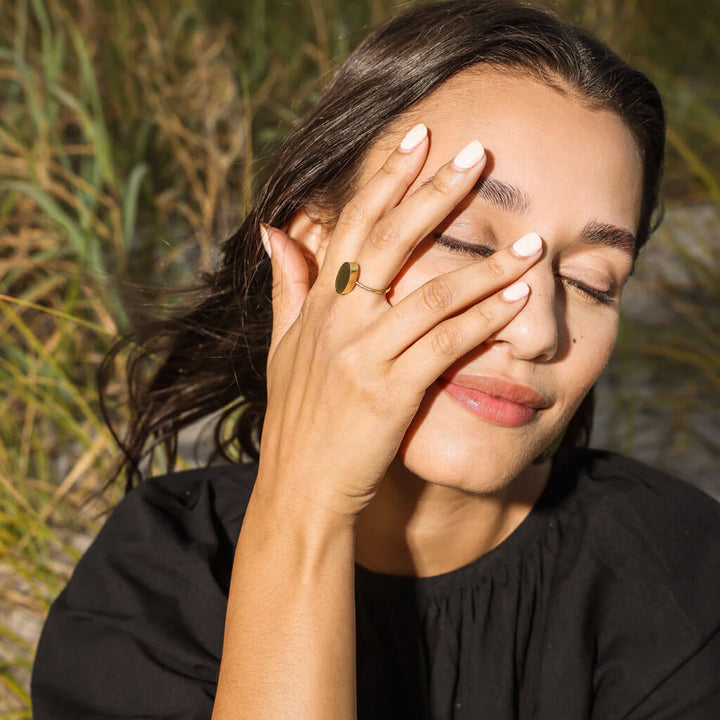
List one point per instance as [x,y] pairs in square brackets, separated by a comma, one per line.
[577,165]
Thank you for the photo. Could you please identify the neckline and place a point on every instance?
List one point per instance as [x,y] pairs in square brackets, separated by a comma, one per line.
[555,491]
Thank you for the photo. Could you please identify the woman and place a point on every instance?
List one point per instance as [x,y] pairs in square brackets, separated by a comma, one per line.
[449,235]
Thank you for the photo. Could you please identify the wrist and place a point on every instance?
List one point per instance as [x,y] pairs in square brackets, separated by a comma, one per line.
[277,510]
[299,500]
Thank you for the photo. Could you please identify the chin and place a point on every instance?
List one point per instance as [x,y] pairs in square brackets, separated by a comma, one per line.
[447,446]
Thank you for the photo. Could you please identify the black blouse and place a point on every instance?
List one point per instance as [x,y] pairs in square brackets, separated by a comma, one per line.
[603,604]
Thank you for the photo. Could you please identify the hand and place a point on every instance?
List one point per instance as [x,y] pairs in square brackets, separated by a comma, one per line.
[347,374]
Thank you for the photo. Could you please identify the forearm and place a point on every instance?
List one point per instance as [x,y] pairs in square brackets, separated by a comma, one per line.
[289,648]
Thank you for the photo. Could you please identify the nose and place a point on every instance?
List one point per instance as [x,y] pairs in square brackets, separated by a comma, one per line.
[534,333]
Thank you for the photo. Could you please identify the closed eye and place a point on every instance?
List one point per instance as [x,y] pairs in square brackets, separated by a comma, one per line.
[602,297]
[471,249]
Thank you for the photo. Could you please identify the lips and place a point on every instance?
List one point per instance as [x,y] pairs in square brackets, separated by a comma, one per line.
[495,399]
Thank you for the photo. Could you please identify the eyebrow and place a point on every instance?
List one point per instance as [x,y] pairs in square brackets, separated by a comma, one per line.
[500,194]
[503,195]
[597,233]
[512,199]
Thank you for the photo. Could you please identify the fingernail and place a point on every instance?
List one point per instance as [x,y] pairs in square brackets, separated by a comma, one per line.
[517,291]
[528,245]
[469,156]
[265,236]
[414,137]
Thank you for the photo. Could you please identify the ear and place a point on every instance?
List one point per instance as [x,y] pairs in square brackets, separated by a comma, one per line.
[311,235]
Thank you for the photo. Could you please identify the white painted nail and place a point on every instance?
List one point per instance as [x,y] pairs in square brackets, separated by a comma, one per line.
[414,137]
[528,245]
[469,156]
[517,291]
[265,240]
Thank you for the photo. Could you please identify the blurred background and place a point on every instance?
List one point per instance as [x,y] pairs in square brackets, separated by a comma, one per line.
[130,135]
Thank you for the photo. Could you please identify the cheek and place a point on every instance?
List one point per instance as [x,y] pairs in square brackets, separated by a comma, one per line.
[591,344]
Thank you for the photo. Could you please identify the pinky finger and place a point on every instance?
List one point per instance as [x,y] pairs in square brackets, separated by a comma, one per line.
[432,354]
[290,282]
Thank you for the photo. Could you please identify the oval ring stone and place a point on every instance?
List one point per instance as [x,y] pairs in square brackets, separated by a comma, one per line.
[346,277]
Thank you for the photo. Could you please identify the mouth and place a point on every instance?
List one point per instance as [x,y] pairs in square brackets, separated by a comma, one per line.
[495,399]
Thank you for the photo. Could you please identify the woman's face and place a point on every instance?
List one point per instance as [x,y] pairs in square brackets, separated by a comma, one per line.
[573,175]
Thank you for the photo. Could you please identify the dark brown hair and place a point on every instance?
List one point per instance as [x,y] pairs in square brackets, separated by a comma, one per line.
[211,358]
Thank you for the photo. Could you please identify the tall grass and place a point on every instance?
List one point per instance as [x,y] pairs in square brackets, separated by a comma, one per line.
[130,132]
[124,150]
[128,140]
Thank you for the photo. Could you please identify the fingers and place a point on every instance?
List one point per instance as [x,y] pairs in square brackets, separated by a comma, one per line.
[446,295]
[451,339]
[290,281]
[394,236]
[382,192]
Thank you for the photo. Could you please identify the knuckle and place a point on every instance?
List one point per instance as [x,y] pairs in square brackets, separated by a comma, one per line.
[483,314]
[354,213]
[391,168]
[350,371]
[440,186]
[447,340]
[371,394]
[337,367]
[325,328]
[310,310]
[385,237]
[494,267]
[436,295]
[345,360]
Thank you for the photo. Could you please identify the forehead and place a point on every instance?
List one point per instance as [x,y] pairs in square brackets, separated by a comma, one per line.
[564,153]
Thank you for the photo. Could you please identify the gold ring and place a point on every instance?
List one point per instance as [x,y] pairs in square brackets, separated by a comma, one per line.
[347,278]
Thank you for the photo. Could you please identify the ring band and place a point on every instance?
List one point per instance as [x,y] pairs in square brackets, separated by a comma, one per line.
[347,278]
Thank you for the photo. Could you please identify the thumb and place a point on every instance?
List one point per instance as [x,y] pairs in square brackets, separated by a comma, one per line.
[291,282]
